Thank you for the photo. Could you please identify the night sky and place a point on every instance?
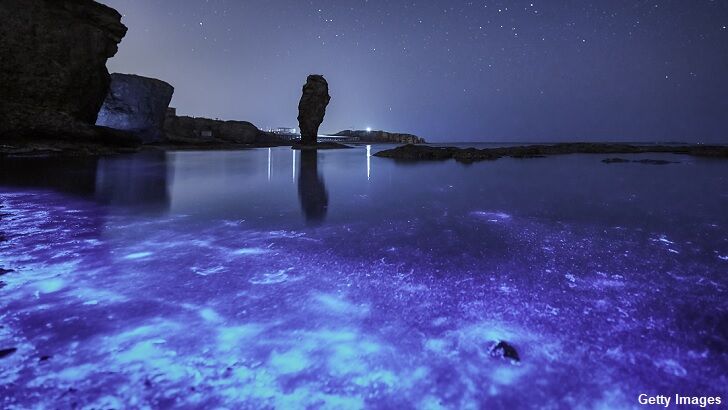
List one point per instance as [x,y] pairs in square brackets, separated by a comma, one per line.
[445,70]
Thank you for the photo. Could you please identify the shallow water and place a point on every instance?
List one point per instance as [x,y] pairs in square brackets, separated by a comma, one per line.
[264,278]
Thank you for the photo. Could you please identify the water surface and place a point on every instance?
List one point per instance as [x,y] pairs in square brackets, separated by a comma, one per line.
[272,279]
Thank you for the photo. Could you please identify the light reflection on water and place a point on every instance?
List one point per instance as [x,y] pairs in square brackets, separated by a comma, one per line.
[199,279]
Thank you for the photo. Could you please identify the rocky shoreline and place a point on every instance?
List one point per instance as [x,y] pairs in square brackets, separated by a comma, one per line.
[411,152]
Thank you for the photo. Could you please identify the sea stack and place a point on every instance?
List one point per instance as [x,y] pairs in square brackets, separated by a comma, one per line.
[138,105]
[53,65]
[312,108]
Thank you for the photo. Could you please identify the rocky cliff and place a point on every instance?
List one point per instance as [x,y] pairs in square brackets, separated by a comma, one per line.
[381,137]
[138,105]
[205,131]
[53,65]
[312,108]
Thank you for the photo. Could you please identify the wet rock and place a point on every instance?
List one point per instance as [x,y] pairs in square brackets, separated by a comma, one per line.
[7,352]
[614,160]
[312,108]
[426,152]
[136,104]
[639,161]
[4,271]
[53,66]
[656,162]
[504,350]
[44,358]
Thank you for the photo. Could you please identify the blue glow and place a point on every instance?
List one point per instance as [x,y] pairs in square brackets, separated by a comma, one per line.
[391,301]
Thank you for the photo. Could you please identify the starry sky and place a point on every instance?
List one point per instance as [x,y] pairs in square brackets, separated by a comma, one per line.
[610,70]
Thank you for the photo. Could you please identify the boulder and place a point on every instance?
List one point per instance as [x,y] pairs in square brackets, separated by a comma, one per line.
[138,105]
[53,65]
[312,108]
[505,350]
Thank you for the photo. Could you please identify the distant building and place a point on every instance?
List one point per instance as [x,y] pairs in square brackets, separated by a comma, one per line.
[283,131]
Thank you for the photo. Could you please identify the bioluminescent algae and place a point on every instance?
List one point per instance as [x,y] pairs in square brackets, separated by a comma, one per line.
[112,308]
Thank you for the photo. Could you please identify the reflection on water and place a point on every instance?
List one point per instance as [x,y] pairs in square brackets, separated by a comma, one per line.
[193,280]
[139,180]
[311,188]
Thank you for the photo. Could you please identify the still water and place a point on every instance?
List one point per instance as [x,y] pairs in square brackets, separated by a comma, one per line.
[269,278]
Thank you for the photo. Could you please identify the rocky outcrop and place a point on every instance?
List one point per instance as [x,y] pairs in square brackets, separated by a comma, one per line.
[426,152]
[205,131]
[312,108]
[381,137]
[505,350]
[53,66]
[138,105]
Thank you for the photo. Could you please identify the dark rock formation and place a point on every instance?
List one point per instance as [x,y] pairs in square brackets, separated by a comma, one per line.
[311,188]
[136,104]
[381,137]
[5,271]
[425,152]
[205,131]
[312,108]
[53,66]
[615,160]
[505,351]
[639,161]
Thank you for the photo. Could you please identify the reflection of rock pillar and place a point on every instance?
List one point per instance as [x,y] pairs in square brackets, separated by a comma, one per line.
[312,108]
[311,188]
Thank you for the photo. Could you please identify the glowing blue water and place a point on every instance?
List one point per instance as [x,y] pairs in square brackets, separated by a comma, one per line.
[218,280]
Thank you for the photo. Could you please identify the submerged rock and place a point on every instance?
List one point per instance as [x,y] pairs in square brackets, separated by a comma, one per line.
[138,105]
[505,351]
[7,352]
[312,108]
[53,66]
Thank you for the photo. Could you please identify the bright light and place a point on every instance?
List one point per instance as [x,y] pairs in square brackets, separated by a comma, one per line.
[369,129]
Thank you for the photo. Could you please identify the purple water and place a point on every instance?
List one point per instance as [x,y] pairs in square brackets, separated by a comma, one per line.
[268,279]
